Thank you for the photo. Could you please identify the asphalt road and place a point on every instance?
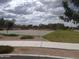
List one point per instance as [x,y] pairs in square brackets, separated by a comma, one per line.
[26,57]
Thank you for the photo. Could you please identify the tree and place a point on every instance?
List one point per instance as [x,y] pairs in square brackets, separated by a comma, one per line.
[69,13]
[76,2]
[9,24]
[2,21]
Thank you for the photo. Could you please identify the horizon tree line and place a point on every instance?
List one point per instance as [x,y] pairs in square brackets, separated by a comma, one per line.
[10,25]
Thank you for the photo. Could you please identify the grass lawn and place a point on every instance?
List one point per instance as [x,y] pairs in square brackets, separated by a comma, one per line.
[63,36]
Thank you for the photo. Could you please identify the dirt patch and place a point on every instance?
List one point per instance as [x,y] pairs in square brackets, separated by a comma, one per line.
[46,51]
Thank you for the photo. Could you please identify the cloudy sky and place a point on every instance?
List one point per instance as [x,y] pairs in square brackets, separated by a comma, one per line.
[32,11]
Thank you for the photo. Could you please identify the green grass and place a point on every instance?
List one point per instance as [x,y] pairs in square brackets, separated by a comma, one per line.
[63,36]
[27,37]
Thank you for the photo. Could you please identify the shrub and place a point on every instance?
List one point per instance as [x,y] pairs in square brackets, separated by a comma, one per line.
[6,49]
[9,34]
[26,37]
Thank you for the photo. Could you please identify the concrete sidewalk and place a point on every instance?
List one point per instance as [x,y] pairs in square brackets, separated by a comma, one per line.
[45,44]
[33,55]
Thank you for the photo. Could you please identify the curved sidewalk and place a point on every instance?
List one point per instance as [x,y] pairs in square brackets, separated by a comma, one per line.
[33,55]
[45,44]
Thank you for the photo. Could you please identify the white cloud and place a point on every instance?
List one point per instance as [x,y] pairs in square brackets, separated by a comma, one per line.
[33,11]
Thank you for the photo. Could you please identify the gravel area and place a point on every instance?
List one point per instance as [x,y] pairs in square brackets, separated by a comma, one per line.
[36,33]
[29,32]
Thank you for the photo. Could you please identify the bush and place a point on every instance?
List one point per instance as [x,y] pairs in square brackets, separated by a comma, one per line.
[26,37]
[6,49]
[9,34]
